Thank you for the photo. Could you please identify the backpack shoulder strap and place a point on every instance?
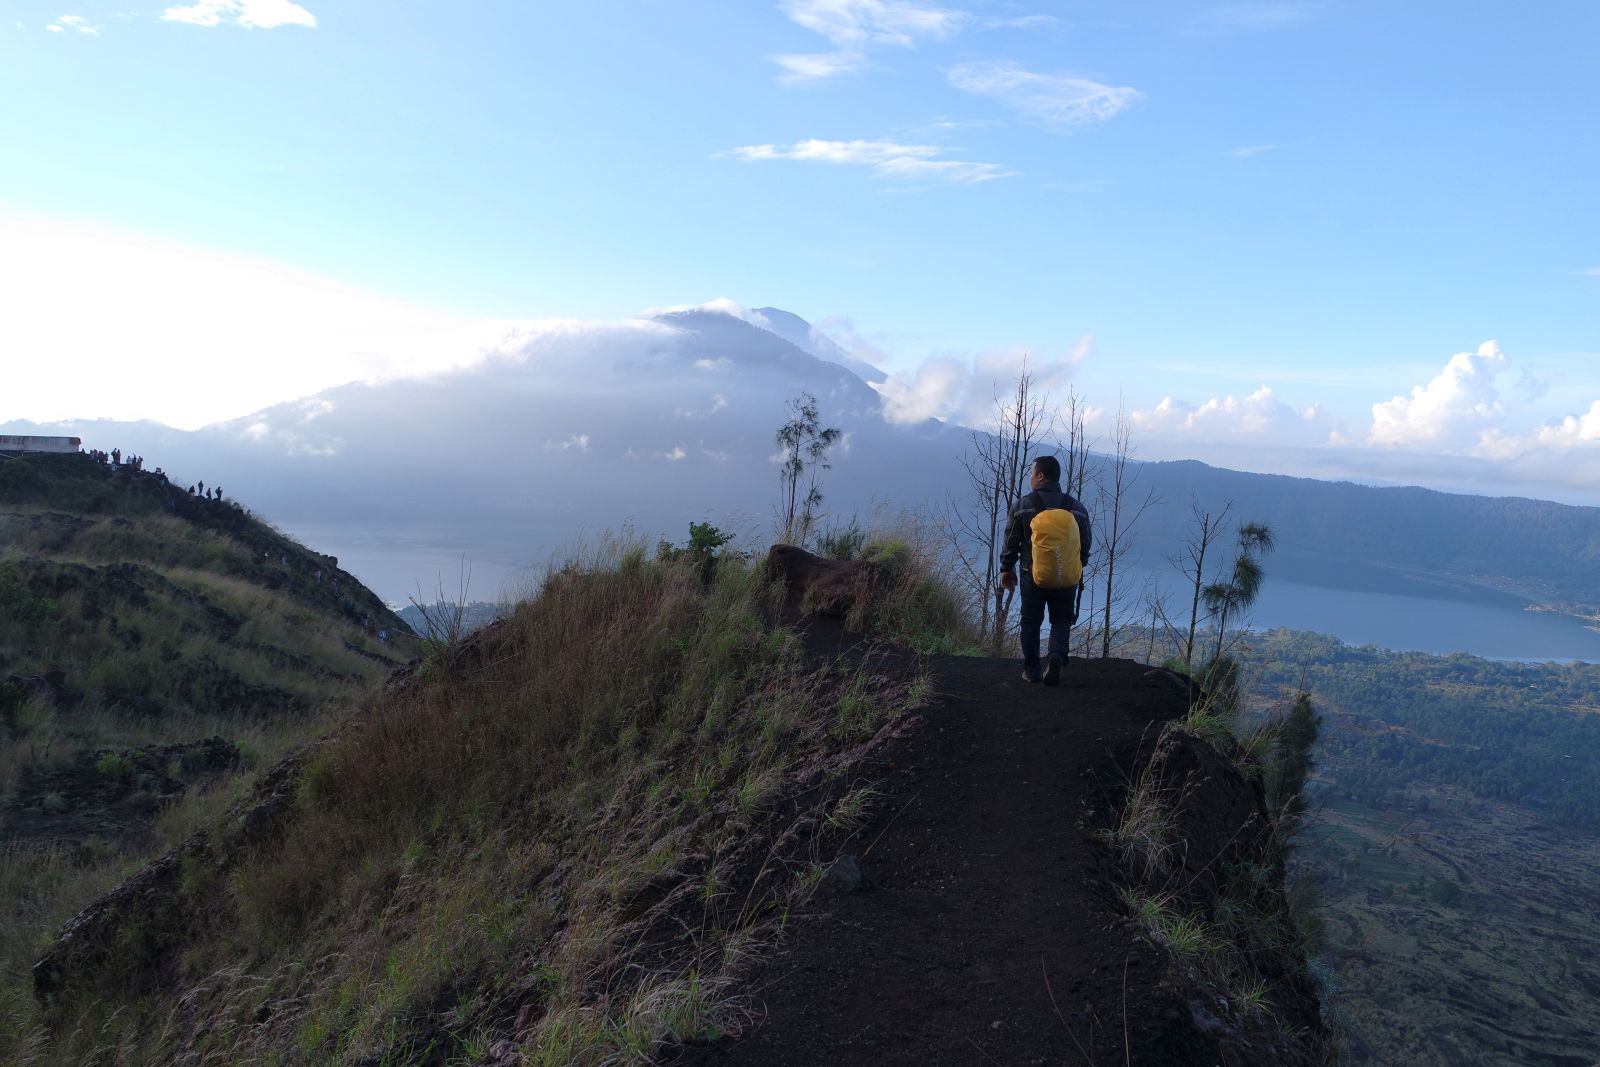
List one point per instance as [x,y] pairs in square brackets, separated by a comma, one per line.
[1045,504]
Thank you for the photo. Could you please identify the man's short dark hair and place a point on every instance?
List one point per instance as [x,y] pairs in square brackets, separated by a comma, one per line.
[1048,466]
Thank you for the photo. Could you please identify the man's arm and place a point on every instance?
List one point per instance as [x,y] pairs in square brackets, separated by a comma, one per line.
[1016,529]
[1085,535]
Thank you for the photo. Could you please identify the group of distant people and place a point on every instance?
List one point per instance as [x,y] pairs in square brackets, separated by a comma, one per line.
[114,457]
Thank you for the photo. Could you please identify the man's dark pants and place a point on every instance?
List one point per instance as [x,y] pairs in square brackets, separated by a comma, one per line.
[1061,604]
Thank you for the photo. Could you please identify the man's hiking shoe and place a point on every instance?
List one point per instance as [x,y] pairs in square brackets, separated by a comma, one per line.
[1030,674]
[1052,670]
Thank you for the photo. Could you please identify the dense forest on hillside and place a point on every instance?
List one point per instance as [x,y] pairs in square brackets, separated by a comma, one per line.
[1519,732]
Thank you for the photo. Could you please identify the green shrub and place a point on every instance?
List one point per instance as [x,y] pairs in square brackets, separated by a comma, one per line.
[114,765]
[846,542]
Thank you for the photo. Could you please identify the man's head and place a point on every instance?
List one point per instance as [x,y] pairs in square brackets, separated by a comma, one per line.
[1045,469]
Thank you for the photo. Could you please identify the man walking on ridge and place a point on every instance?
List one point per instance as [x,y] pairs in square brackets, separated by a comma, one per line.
[1049,533]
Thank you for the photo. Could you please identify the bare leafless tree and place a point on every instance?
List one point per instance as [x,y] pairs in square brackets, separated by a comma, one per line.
[1120,512]
[996,465]
[1191,563]
[1078,467]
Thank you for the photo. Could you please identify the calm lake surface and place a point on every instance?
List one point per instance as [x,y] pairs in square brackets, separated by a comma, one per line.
[1425,625]
[1490,625]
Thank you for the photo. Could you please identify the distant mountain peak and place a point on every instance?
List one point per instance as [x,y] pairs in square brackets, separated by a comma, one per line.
[803,335]
[784,325]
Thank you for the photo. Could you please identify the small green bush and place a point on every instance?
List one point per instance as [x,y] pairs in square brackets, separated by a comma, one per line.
[114,765]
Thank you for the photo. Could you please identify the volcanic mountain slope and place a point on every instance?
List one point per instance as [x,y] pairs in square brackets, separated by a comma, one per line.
[513,857]
[156,647]
[138,619]
[152,639]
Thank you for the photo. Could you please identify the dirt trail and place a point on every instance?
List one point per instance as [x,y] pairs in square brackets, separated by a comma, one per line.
[991,933]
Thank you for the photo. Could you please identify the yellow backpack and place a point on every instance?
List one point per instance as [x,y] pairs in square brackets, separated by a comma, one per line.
[1057,559]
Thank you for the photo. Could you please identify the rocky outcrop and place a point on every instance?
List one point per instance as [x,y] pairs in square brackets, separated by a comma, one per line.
[821,586]
[132,937]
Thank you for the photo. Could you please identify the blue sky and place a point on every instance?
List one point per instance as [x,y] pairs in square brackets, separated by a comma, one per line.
[1173,202]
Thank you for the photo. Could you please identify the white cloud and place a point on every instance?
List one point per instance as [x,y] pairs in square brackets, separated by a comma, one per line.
[1060,101]
[1259,416]
[1574,431]
[854,27]
[1454,409]
[673,456]
[718,403]
[578,442]
[1580,431]
[76,23]
[933,390]
[1592,272]
[964,389]
[253,14]
[314,408]
[1246,151]
[917,163]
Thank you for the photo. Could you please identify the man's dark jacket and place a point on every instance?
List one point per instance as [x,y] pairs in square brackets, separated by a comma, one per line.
[1019,531]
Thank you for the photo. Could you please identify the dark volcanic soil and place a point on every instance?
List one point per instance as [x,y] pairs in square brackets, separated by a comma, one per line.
[991,932]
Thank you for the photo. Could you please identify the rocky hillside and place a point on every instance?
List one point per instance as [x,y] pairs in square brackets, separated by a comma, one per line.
[157,646]
[655,814]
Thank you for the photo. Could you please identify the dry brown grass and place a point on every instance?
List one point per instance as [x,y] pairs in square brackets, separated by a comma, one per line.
[570,831]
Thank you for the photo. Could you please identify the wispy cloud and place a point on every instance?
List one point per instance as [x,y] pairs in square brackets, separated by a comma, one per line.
[854,27]
[1246,151]
[917,163]
[252,14]
[578,442]
[1592,272]
[74,23]
[1021,22]
[1060,101]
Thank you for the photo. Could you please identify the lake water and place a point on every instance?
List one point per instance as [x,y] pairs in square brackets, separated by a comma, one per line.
[1423,624]
[1486,624]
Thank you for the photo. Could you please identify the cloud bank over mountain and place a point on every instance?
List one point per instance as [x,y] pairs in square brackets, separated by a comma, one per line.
[528,437]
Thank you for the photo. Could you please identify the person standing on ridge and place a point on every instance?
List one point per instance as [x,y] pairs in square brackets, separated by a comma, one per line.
[1049,533]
